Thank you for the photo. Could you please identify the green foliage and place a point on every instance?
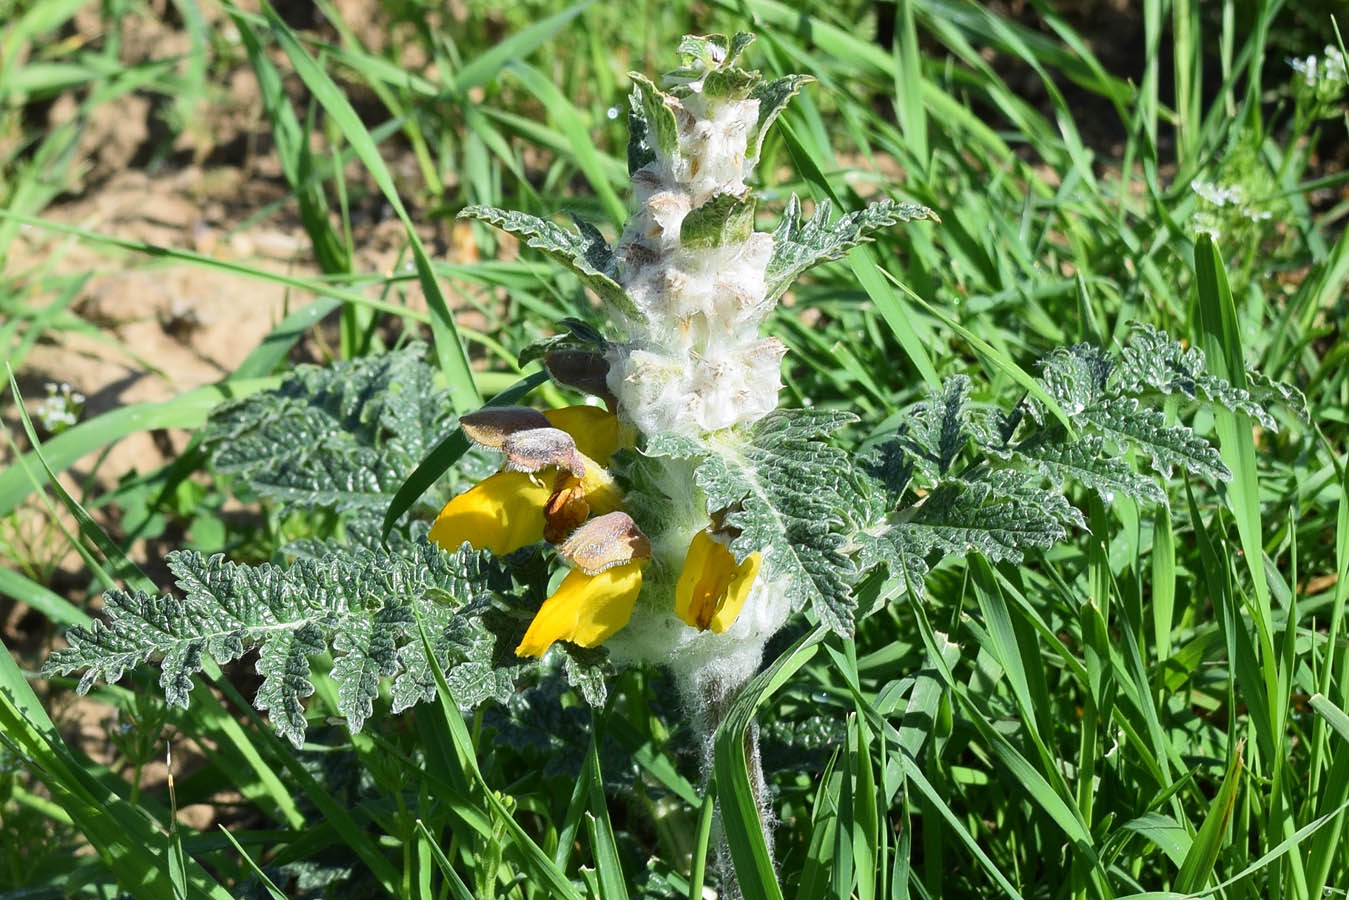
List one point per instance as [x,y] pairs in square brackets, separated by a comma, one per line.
[725,219]
[362,605]
[952,480]
[341,438]
[1023,717]
[800,244]
[584,252]
[786,492]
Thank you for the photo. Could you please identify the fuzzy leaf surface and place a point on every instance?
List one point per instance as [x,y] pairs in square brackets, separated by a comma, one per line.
[963,517]
[1086,463]
[799,244]
[789,493]
[725,219]
[341,437]
[660,131]
[773,97]
[583,251]
[363,605]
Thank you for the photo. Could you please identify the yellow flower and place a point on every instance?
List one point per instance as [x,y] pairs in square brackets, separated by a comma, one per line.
[502,513]
[585,609]
[514,509]
[712,588]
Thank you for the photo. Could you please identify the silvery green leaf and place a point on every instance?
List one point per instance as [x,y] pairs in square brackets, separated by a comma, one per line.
[362,605]
[657,111]
[1126,421]
[1152,359]
[773,97]
[730,84]
[640,153]
[1085,462]
[800,244]
[584,251]
[725,219]
[962,517]
[368,649]
[588,670]
[703,51]
[1024,489]
[1077,377]
[1267,390]
[476,660]
[739,41]
[791,496]
[341,437]
[283,663]
[937,429]
[579,336]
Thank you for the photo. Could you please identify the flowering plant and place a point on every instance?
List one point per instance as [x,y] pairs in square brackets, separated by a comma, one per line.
[694,558]
[683,519]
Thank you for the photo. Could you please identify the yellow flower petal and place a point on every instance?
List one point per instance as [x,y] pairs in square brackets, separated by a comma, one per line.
[585,609]
[594,430]
[712,588]
[502,513]
[736,592]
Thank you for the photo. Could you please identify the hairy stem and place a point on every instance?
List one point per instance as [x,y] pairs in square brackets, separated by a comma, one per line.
[709,698]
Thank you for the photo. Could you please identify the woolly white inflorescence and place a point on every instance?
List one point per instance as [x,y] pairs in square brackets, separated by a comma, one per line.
[694,362]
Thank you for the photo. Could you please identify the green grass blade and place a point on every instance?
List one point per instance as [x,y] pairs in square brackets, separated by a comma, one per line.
[449,347]
[535,859]
[455,884]
[573,126]
[703,837]
[52,605]
[740,814]
[484,67]
[603,845]
[1198,865]
[187,410]
[122,835]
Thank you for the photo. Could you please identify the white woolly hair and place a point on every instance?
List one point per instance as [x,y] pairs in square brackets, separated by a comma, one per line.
[655,632]
[694,362]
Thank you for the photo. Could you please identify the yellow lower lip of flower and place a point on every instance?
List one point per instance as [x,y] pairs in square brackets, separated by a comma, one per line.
[502,513]
[712,588]
[585,609]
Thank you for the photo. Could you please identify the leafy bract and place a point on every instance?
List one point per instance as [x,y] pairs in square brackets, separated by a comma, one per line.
[799,244]
[659,133]
[363,605]
[788,494]
[579,337]
[773,97]
[584,251]
[724,219]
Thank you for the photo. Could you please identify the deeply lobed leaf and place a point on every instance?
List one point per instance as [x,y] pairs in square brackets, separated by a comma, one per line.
[362,605]
[799,244]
